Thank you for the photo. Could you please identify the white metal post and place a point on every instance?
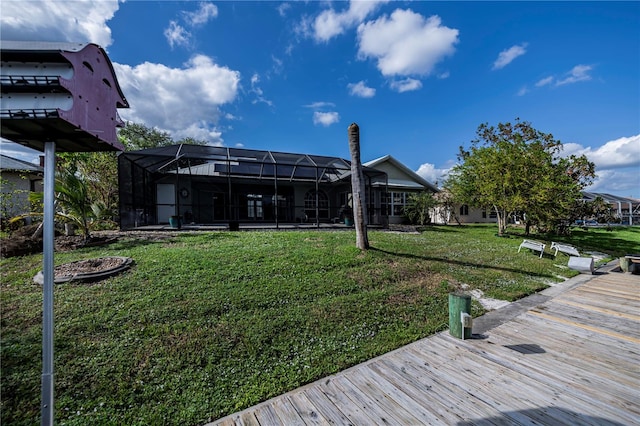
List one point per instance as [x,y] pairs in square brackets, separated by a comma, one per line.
[47,271]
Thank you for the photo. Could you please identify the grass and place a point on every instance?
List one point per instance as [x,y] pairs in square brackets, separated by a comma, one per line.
[208,324]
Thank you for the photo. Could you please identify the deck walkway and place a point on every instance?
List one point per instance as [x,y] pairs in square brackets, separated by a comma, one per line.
[573,359]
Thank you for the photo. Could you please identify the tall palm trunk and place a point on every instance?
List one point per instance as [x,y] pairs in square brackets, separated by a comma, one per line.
[358,189]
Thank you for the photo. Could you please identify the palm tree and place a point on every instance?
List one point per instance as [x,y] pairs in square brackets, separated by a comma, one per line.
[73,201]
[72,204]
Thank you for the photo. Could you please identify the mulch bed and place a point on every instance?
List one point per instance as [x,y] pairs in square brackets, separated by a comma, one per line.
[21,242]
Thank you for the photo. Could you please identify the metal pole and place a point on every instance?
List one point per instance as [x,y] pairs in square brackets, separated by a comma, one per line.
[47,271]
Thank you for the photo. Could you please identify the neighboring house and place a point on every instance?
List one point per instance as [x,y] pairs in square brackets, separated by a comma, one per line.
[209,185]
[627,210]
[401,183]
[18,178]
[455,213]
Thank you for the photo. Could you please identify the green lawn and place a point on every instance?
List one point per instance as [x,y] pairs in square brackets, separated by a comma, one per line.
[207,324]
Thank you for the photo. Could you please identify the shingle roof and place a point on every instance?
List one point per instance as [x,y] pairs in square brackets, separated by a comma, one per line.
[14,164]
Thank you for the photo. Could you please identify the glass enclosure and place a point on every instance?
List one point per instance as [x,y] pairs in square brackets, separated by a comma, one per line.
[208,185]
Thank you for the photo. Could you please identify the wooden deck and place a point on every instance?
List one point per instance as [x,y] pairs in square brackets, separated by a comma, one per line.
[572,360]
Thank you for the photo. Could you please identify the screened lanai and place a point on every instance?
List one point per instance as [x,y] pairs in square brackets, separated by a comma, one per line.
[211,185]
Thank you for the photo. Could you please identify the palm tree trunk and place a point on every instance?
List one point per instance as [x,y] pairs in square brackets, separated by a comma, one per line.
[358,189]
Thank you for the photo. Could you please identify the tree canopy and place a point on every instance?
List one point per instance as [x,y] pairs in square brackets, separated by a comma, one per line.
[516,169]
[135,136]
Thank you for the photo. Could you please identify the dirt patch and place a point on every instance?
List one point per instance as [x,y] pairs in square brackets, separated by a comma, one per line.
[22,243]
[85,266]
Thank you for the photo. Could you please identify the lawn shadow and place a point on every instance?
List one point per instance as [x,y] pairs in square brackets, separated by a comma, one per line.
[125,242]
[461,263]
[541,415]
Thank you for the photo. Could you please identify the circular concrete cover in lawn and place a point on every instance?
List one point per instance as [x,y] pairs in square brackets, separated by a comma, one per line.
[87,270]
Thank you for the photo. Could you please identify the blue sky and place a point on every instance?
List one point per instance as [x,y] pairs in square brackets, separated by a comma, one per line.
[418,77]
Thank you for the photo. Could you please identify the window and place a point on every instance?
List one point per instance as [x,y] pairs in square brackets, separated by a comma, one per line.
[464,210]
[310,199]
[254,206]
[394,203]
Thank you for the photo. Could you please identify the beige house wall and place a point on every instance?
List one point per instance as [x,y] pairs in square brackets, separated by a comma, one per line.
[15,192]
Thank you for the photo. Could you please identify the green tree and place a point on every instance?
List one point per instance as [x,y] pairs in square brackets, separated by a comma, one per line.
[99,171]
[516,168]
[418,208]
[135,136]
[71,201]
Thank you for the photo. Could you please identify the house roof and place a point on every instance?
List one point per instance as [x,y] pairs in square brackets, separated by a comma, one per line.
[609,198]
[14,164]
[207,160]
[415,181]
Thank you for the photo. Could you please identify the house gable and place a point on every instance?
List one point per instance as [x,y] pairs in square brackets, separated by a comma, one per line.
[400,176]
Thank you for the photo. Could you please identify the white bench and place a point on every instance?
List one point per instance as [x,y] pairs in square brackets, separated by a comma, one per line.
[564,248]
[533,245]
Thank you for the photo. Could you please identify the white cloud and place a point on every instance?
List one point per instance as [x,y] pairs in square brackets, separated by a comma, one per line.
[406,85]
[205,12]
[183,101]
[621,182]
[325,118]
[406,43]
[361,90]
[523,91]
[618,153]
[545,81]
[320,105]
[50,20]
[508,55]
[283,8]
[443,75]
[256,90]
[431,174]
[329,23]
[577,73]
[177,35]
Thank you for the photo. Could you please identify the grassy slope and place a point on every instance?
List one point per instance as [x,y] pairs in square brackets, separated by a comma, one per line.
[208,324]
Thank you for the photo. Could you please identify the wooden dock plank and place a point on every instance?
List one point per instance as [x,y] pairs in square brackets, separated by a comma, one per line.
[266,415]
[447,401]
[622,295]
[489,382]
[375,403]
[307,409]
[562,385]
[325,407]
[416,397]
[287,412]
[580,352]
[615,323]
[598,307]
[354,411]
